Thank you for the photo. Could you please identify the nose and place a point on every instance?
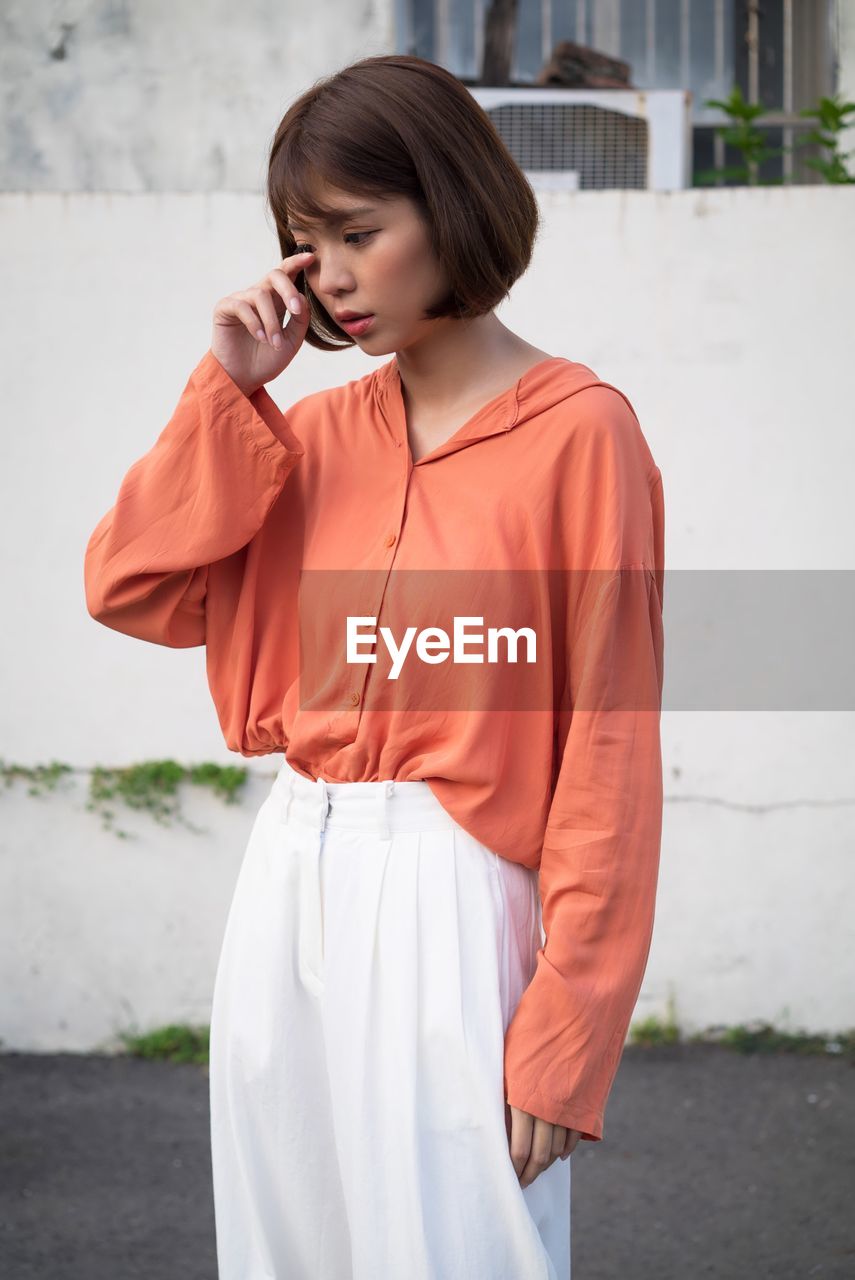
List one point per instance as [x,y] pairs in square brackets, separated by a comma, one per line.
[333,275]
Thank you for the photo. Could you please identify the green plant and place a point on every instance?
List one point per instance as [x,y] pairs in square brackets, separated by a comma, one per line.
[42,777]
[174,1043]
[743,135]
[153,785]
[182,1043]
[831,115]
[653,1030]
[763,1037]
[225,780]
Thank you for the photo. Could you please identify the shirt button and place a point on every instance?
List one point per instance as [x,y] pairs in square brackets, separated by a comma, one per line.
[354,697]
[390,539]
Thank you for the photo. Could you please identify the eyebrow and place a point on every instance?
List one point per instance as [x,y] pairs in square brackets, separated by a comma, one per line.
[338,217]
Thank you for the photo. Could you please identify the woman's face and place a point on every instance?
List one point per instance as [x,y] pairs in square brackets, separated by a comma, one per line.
[377,261]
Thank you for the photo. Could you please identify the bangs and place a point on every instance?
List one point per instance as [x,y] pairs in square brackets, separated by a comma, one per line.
[304,170]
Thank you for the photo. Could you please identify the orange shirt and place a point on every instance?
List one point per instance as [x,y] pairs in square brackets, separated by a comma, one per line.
[257,533]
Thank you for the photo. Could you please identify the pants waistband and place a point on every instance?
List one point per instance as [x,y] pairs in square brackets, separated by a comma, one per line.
[379,807]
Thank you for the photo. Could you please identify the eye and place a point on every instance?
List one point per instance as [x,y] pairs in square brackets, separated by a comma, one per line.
[302,247]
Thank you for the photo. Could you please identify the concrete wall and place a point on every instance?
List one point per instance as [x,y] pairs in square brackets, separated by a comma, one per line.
[156,96]
[724,315]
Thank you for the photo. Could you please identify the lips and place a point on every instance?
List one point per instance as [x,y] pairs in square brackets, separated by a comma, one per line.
[357,325]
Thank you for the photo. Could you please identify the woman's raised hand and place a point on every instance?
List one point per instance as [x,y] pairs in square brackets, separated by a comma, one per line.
[248,339]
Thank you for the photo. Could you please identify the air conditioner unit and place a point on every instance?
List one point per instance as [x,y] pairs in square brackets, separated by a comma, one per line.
[595,138]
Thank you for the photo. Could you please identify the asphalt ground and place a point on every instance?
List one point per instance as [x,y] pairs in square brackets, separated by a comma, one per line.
[713,1163]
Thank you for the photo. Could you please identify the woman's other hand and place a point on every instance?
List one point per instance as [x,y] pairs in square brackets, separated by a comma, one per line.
[536,1143]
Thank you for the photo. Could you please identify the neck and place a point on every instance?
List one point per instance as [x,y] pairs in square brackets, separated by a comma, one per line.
[440,371]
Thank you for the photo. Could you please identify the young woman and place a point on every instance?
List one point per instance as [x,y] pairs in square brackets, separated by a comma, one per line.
[443,914]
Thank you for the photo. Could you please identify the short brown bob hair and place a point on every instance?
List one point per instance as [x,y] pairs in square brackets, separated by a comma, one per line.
[398,125]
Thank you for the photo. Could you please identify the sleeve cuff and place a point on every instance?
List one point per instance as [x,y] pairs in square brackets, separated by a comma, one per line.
[258,415]
[586,1122]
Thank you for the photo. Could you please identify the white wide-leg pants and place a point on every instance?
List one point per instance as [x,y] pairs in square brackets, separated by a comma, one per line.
[373,956]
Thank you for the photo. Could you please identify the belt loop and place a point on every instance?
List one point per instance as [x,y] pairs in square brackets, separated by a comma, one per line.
[324,796]
[384,798]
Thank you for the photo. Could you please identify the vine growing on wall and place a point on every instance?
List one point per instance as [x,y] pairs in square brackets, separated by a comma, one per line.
[151,785]
[40,777]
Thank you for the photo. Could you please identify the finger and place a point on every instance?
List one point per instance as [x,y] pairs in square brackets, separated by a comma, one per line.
[534,1168]
[540,1155]
[571,1143]
[250,318]
[522,1125]
[270,320]
[295,263]
[559,1140]
[284,286]
[294,257]
[544,1144]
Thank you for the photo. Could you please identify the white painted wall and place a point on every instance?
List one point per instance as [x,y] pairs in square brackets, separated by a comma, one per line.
[725,317]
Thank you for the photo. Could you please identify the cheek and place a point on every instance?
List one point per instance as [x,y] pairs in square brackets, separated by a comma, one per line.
[405,270]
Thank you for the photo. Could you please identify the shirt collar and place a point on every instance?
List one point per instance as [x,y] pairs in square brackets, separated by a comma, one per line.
[535,389]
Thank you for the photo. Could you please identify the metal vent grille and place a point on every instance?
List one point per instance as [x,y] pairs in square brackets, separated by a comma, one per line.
[605,148]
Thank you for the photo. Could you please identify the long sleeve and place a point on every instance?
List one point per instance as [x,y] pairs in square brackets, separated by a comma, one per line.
[600,857]
[200,494]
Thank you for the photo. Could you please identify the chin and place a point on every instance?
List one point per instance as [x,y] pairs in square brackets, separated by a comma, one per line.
[377,345]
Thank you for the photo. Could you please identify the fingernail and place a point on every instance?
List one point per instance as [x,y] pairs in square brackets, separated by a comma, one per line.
[277,340]
[294,305]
